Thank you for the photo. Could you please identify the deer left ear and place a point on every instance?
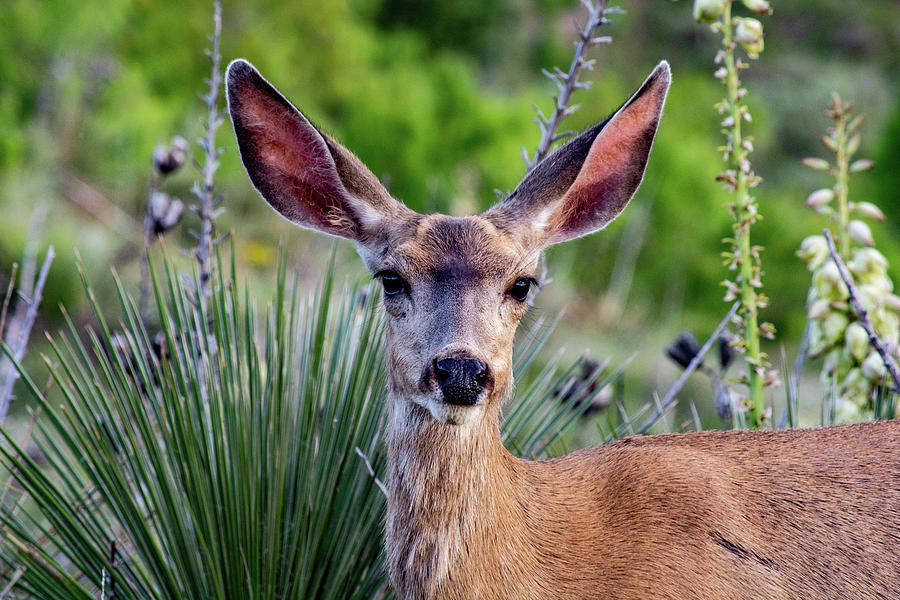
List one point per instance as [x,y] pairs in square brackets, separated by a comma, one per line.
[587,183]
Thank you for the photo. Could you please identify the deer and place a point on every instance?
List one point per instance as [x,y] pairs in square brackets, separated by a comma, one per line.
[774,514]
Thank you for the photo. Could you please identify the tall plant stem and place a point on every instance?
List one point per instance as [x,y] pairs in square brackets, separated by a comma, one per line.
[744,216]
[567,82]
[841,190]
[205,190]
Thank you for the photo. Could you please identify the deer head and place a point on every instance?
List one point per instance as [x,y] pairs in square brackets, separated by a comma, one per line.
[454,288]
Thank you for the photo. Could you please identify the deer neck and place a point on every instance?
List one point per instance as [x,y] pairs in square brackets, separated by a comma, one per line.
[452,498]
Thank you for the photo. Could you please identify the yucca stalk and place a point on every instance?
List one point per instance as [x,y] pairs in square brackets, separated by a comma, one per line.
[836,328]
[743,257]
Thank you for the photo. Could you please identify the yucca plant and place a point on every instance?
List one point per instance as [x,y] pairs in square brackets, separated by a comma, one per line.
[218,460]
[234,454]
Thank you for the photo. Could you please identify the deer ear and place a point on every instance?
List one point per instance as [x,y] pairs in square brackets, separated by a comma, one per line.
[587,183]
[308,177]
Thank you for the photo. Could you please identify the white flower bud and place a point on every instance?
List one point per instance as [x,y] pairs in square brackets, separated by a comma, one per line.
[867,261]
[856,341]
[860,232]
[707,11]
[164,212]
[167,160]
[819,164]
[862,164]
[818,309]
[819,197]
[892,302]
[758,6]
[749,32]
[813,251]
[837,363]
[829,284]
[817,342]
[873,367]
[867,209]
[833,327]
[855,386]
[846,412]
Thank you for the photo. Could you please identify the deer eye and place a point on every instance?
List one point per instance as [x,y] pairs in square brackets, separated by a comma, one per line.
[393,284]
[519,290]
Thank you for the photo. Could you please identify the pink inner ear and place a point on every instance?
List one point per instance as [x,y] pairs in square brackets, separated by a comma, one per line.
[612,171]
[298,177]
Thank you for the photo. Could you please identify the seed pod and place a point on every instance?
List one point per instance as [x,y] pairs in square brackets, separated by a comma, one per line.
[886,324]
[836,364]
[167,160]
[819,197]
[873,367]
[164,212]
[813,251]
[860,232]
[830,362]
[856,340]
[870,297]
[683,349]
[707,11]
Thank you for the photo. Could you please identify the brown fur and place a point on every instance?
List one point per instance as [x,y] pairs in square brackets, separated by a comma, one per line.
[789,514]
[738,515]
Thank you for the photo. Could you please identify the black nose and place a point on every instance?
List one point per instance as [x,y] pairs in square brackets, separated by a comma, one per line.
[461,380]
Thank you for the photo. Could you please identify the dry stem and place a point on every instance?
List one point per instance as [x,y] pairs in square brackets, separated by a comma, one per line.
[566,83]
[863,314]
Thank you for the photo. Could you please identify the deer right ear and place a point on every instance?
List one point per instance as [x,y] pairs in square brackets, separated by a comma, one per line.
[308,177]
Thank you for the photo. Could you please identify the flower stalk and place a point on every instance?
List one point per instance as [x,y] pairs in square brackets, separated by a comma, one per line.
[853,315]
[739,178]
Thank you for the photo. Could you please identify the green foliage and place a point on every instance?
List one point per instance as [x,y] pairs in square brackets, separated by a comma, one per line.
[218,461]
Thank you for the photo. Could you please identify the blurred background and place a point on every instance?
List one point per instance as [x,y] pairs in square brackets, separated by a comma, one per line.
[436,97]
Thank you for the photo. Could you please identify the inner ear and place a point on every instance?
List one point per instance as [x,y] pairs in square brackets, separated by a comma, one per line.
[305,175]
[586,183]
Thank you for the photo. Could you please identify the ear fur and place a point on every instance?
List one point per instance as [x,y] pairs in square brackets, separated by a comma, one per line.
[304,174]
[587,183]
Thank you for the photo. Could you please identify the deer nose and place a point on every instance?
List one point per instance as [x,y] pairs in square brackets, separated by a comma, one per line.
[462,380]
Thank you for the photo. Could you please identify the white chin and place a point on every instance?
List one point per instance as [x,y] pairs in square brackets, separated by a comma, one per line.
[452,414]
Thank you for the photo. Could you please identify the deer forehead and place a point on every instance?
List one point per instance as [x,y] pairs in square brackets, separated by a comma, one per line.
[465,250]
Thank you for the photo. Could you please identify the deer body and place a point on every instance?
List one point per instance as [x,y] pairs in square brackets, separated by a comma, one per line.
[788,514]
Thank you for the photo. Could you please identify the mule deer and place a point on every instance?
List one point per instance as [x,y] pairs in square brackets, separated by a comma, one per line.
[773,514]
